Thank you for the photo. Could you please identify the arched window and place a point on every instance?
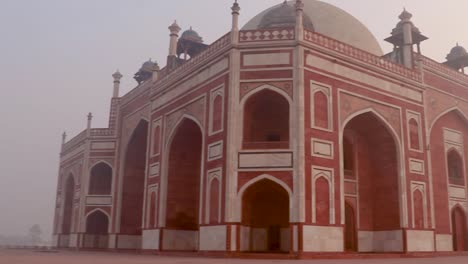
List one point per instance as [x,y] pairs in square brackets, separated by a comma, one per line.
[322,201]
[100,181]
[418,209]
[414,134]
[217,113]
[348,156]
[152,211]
[214,201]
[321,110]
[156,139]
[266,121]
[455,168]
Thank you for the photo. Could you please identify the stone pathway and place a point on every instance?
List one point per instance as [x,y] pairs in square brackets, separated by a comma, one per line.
[69,257]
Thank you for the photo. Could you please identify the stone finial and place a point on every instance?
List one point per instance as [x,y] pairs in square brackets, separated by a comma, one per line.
[64,137]
[174,28]
[235,8]
[90,118]
[405,15]
[299,5]
[156,70]
[117,77]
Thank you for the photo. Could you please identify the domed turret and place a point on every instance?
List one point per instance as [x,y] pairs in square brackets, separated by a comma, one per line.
[456,53]
[190,44]
[192,35]
[283,16]
[145,72]
[457,58]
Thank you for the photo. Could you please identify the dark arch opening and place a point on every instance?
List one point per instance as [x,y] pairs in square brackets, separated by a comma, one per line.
[266,121]
[133,181]
[455,168]
[100,181]
[459,229]
[265,213]
[350,228]
[97,224]
[183,189]
[375,167]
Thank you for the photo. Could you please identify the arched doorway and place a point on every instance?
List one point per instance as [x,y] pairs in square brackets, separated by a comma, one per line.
[183,186]
[459,229]
[97,225]
[350,229]
[372,164]
[266,121]
[133,182]
[100,180]
[265,218]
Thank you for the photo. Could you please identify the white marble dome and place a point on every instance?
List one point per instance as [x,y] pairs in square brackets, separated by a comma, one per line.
[330,21]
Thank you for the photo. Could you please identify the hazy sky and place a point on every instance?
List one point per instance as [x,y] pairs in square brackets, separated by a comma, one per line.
[57,57]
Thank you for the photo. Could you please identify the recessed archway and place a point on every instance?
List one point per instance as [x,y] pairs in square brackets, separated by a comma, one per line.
[183,184]
[459,229]
[265,218]
[350,228]
[100,179]
[133,181]
[375,167]
[266,121]
[97,225]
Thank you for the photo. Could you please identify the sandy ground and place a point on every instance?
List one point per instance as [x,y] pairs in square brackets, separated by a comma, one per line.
[67,257]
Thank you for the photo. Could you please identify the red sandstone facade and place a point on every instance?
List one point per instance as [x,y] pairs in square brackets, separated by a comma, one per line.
[274,140]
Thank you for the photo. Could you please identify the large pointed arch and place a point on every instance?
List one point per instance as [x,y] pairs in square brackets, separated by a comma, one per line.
[131,187]
[165,168]
[238,201]
[265,213]
[403,203]
[180,207]
[97,229]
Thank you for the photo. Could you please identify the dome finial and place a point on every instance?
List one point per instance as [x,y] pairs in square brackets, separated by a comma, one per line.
[405,15]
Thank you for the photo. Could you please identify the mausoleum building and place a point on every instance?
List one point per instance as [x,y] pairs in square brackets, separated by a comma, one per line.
[293,134]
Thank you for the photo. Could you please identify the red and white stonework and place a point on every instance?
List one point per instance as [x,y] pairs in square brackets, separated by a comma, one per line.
[293,134]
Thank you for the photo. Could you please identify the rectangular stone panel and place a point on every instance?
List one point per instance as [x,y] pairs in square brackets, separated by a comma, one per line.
[102,145]
[420,241]
[444,242]
[213,238]
[456,192]
[265,160]
[267,59]
[154,170]
[99,200]
[179,240]
[453,136]
[323,149]
[323,239]
[416,166]
[215,151]
[150,239]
